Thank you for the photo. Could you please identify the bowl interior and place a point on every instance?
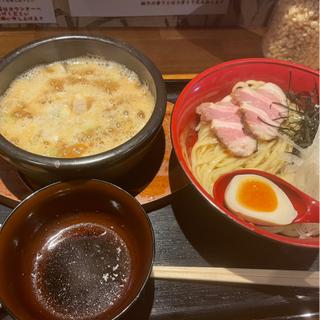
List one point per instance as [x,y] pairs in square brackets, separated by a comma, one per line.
[71,46]
[79,249]
[110,164]
[214,84]
[66,47]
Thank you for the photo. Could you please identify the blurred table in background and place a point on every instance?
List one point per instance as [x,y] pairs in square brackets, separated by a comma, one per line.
[173,50]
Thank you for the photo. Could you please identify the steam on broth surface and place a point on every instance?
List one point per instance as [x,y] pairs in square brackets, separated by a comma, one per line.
[74,108]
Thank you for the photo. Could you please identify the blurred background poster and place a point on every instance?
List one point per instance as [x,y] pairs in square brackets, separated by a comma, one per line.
[116,8]
[27,11]
[135,13]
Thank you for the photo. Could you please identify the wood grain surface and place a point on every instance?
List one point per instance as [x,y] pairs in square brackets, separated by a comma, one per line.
[172,50]
[160,187]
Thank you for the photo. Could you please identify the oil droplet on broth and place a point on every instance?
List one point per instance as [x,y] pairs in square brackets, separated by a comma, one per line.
[82,271]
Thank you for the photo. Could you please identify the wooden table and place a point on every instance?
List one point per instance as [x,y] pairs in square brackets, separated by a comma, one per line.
[188,232]
[172,50]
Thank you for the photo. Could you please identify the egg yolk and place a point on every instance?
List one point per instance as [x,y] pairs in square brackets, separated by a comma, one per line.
[257,195]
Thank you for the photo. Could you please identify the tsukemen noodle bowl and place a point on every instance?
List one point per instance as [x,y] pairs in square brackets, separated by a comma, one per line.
[251,114]
[78,107]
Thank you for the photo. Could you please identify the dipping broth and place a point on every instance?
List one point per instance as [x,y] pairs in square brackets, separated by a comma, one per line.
[75,108]
[84,269]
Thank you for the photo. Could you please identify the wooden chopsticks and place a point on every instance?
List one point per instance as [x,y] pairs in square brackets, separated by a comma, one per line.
[292,278]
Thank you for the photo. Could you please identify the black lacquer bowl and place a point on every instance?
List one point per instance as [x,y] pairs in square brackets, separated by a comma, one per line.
[75,250]
[108,165]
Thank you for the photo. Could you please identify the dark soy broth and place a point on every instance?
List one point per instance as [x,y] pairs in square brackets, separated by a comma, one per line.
[82,270]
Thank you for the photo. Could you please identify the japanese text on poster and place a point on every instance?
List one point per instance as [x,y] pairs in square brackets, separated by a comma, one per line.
[26,11]
[126,8]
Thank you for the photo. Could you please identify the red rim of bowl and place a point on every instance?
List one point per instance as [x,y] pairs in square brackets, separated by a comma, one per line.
[175,142]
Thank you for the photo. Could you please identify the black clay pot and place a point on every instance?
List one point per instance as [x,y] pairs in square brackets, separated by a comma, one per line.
[108,165]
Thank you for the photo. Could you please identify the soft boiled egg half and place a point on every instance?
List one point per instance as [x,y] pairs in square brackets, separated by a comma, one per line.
[259,200]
